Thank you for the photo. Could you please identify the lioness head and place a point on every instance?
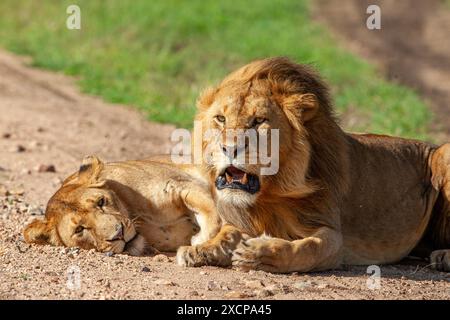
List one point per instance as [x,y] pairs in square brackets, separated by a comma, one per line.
[271,106]
[83,213]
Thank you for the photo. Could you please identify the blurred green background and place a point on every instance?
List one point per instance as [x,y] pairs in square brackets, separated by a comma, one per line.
[158,55]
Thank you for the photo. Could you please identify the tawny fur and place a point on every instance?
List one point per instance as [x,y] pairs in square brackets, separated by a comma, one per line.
[156,203]
[338,198]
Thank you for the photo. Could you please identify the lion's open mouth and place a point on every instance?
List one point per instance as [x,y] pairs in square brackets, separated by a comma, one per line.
[234,178]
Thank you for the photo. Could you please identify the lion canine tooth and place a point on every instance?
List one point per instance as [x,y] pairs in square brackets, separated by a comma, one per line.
[228,177]
[244,179]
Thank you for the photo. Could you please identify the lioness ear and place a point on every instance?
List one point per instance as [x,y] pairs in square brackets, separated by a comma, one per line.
[40,232]
[90,170]
[71,179]
[300,108]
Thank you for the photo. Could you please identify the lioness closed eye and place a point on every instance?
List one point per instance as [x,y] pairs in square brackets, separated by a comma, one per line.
[128,206]
[337,198]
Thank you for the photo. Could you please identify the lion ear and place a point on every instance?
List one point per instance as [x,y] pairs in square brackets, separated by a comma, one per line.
[206,98]
[90,171]
[300,108]
[40,232]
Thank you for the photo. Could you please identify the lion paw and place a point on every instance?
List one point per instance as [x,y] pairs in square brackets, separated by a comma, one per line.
[261,253]
[187,256]
[440,260]
[215,252]
[197,256]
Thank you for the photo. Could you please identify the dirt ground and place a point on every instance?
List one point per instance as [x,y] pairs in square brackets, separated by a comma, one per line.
[46,125]
[412,47]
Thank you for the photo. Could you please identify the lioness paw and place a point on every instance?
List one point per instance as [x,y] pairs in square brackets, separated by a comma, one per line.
[137,247]
[440,260]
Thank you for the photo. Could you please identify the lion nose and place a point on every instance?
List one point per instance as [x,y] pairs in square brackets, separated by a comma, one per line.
[119,232]
[230,151]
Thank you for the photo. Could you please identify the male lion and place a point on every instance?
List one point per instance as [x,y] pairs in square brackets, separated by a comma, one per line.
[338,198]
[128,206]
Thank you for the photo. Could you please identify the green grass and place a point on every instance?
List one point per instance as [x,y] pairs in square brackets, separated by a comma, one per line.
[157,55]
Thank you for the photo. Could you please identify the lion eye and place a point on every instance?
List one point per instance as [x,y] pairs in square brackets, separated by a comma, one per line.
[101,202]
[79,229]
[259,120]
[220,118]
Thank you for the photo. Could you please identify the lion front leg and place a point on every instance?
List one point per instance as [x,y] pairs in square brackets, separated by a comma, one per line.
[200,201]
[215,252]
[318,252]
[439,229]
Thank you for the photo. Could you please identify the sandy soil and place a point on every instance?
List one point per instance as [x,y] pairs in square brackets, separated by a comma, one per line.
[47,124]
[412,46]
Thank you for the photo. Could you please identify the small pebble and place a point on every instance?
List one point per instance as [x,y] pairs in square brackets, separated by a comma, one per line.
[35,211]
[302,285]
[46,168]
[145,269]
[193,293]
[34,144]
[212,285]
[19,149]
[17,192]
[164,282]
[25,171]
[57,182]
[4,192]
[254,284]
[161,258]
[285,288]
[123,135]
[263,293]
[238,295]
[23,207]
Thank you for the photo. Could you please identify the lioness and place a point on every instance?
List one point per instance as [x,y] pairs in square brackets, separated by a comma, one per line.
[128,206]
[338,198]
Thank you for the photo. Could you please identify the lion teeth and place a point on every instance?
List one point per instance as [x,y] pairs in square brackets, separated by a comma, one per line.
[228,177]
[244,179]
